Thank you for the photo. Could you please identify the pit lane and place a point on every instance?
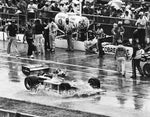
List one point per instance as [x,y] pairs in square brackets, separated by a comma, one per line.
[121,96]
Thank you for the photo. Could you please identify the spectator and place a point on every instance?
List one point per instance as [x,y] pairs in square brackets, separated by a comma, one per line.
[127,17]
[22,7]
[118,33]
[142,23]
[41,3]
[31,8]
[52,26]
[55,7]
[46,8]
[11,33]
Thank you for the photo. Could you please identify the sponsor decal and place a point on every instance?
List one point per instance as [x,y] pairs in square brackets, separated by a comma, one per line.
[111,49]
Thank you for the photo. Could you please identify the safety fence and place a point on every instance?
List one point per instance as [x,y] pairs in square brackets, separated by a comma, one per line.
[7,113]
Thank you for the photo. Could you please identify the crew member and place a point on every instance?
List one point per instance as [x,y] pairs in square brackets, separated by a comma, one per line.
[11,33]
[100,35]
[52,26]
[142,23]
[68,32]
[118,33]
[39,39]
[136,58]
[29,38]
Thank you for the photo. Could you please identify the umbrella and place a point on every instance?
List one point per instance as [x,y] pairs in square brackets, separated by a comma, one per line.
[116,3]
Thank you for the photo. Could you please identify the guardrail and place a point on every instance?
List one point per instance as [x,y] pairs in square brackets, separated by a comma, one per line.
[8,113]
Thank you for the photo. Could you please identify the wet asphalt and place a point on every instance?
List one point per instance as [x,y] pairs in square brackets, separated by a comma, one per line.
[120,96]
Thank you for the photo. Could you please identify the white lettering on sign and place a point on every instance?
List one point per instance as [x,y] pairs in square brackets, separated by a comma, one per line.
[111,49]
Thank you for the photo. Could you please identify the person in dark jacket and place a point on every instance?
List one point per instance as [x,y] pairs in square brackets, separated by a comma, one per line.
[28,35]
[39,39]
[100,35]
[11,33]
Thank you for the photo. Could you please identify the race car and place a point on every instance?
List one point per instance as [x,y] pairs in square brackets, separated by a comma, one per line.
[57,80]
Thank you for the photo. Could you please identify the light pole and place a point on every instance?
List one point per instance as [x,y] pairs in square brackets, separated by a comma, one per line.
[80,7]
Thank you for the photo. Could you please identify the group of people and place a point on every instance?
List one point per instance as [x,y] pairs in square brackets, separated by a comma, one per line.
[39,36]
[139,46]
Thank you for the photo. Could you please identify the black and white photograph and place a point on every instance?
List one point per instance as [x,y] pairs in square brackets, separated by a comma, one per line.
[74,58]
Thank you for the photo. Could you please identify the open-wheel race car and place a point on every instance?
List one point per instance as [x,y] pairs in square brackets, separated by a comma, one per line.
[56,81]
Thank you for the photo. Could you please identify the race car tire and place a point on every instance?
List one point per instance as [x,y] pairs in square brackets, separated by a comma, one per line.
[30,82]
[64,87]
[94,82]
[146,69]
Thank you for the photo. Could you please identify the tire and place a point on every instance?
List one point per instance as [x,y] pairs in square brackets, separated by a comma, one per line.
[64,87]
[146,69]
[30,82]
[94,82]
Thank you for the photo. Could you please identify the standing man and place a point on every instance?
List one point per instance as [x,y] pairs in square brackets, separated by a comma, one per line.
[28,35]
[11,33]
[136,58]
[100,35]
[52,26]
[68,32]
[121,57]
[142,24]
[39,39]
[118,32]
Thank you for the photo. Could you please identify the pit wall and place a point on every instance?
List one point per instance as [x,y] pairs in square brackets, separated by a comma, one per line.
[62,43]
[7,113]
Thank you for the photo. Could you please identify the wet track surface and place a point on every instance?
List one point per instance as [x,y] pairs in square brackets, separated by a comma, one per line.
[121,97]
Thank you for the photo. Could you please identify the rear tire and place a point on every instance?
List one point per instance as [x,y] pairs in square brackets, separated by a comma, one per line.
[64,87]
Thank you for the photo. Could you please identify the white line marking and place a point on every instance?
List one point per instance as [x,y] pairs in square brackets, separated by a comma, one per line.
[59,63]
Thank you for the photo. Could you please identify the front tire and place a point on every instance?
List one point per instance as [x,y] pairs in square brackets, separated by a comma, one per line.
[30,82]
[94,82]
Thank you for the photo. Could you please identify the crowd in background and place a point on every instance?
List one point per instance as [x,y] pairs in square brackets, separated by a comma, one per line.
[127,10]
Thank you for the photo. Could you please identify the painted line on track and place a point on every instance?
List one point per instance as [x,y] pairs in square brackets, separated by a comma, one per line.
[60,63]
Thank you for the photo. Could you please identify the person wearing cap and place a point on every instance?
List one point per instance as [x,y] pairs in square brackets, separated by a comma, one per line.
[141,23]
[11,34]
